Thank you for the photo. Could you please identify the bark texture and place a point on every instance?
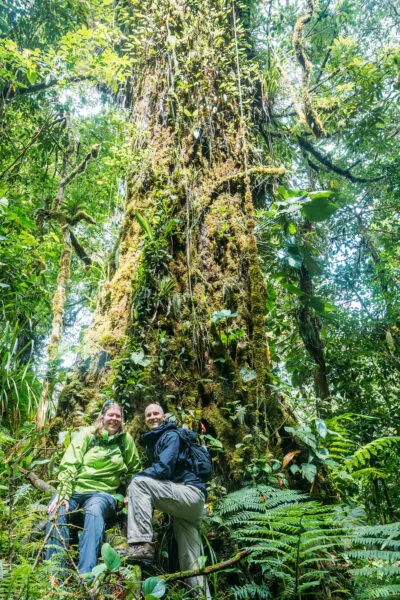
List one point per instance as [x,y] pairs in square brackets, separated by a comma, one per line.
[181,321]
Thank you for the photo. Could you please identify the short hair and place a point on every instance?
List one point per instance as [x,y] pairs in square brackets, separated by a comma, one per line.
[154,404]
[99,421]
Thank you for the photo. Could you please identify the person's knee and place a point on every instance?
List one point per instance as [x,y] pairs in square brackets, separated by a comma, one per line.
[138,484]
[96,510]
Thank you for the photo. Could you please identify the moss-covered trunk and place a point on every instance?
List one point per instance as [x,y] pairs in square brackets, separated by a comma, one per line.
[182,319]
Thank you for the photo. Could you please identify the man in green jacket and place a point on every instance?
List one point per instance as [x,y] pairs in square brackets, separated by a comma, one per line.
[90,474]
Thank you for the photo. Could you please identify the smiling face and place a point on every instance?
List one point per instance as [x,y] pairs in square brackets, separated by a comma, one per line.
[153,415]
[112,419]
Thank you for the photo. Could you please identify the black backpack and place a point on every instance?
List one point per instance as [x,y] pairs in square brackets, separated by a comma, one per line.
[198,457]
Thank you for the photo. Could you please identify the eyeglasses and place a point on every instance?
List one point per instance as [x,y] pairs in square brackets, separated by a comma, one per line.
[107,403]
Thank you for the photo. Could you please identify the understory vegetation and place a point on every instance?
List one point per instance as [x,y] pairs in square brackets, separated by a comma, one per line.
[199,206]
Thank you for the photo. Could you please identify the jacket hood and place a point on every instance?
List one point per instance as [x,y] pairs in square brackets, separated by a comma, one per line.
[152,436]
[106,437]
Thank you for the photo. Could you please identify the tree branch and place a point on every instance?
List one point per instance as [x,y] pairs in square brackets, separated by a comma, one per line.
[311,116]
[9,93]
[262,170]
[207,570]
[22,154]
[38,483]
[80,252]
[327,162]
[94,152]
[81,215]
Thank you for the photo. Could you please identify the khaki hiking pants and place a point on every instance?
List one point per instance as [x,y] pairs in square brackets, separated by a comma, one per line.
[183,502]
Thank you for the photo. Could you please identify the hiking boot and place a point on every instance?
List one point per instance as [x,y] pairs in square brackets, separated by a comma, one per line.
[144,551]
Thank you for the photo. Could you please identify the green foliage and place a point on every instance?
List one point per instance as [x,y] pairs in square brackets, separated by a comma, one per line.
[328,236]
[153,587]
[374,448]
[111,557]
[18,385]
[298,546]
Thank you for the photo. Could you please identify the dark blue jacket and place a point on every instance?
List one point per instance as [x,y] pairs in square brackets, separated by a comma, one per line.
[168,456]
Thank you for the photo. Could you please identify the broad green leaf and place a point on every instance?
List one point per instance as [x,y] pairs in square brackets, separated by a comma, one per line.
[321,427]
[201,562]
[320,194]
[154,586]
[322,453]
[223,314]
[319,209]
[309,471]
[110,557]
[320,305]
[31,75]
[99,569]
[138,358]
[292,289]
[247,374]
[144,224]
[294,257]
[295,262]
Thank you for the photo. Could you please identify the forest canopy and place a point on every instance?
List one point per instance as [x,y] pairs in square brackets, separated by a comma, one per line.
[199,206]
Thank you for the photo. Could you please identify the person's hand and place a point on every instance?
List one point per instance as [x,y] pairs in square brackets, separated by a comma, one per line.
[54,504]
[126,500]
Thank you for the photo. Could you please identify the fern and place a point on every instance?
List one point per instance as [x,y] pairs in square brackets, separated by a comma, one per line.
[257,498]
[5,579]
[300,546]
[362,456]
[340,441]
[250,592]
[385,591]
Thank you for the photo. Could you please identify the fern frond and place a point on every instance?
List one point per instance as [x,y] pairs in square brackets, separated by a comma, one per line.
[5,579]
[362,455]
[251,591]
[369,472]
[371,571]
[373,554]
[385,591]
[302,546]
[389,529]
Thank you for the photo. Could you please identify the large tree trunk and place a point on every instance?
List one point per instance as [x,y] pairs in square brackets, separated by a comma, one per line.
[187,249]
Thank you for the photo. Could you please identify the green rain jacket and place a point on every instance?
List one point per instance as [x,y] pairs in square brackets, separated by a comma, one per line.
[97,464]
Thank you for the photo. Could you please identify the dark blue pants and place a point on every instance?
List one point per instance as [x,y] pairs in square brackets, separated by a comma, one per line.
[96,508]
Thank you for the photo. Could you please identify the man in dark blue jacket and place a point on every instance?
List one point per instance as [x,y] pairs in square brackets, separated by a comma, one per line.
[167,485]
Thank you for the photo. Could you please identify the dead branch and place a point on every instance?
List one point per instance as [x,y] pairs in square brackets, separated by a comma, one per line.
[38,483]
[208,570]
